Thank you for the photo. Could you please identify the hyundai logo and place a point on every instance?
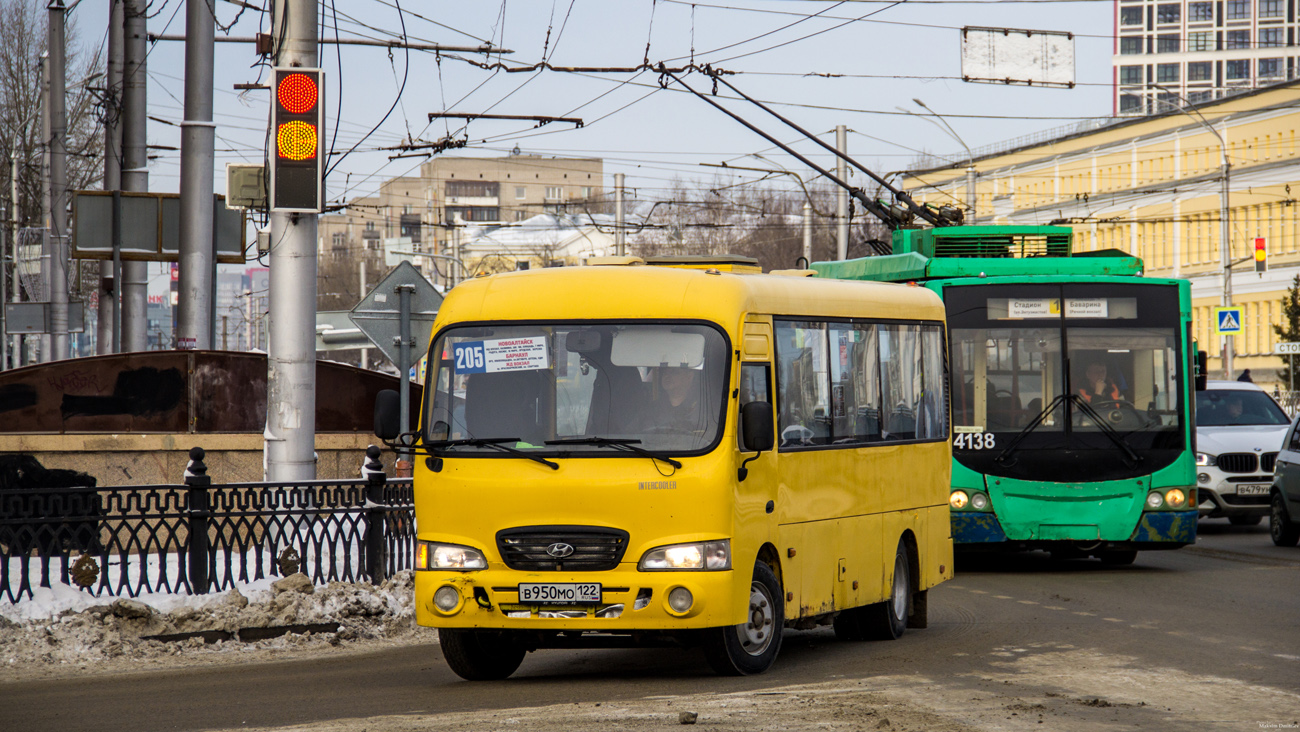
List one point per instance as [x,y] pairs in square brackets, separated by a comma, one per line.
[559,550]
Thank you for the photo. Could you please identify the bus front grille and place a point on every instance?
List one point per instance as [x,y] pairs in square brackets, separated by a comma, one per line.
[562,548]
[1238,462]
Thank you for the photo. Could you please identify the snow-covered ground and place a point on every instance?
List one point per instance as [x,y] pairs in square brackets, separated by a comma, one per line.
[63,630]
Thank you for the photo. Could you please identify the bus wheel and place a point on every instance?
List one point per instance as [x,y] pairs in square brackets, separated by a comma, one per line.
[1118,558]
[750,647]
[478,655]
[887,620]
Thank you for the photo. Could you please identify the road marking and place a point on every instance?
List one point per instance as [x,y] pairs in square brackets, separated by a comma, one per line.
[1080,612]
[1053,607]
[1287,656]
[1113,620]
[1004,597]
[1027,602]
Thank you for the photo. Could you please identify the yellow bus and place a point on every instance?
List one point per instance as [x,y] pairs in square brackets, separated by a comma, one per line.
[682,452]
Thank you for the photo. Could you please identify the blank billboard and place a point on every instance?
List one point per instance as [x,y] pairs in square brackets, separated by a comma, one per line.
[1015,56]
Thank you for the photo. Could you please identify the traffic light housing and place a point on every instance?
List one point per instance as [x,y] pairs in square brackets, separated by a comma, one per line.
[297,168]
[1261,255]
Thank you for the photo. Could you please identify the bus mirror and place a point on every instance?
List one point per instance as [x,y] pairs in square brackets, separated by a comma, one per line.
[387,415]
[1202,370]
[756,426]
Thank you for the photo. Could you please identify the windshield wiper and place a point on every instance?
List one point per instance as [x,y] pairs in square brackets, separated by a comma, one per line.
[1086,408]
[494,443]
[1033,425]
[629,445]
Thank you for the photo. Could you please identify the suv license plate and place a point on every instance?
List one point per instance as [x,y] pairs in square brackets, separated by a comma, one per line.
[1253,489]
[560,593]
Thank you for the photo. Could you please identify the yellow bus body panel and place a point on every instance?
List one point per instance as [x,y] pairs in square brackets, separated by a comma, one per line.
[838,514]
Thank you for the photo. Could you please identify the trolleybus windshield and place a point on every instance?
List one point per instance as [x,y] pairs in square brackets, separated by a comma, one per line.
[1046,377]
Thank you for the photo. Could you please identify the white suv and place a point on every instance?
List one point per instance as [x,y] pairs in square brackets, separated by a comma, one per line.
[1239,431]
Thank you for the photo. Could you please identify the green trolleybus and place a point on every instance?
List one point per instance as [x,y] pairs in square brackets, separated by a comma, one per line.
[1072,389]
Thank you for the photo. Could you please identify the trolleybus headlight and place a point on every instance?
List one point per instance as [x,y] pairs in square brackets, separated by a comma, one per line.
[431,555]
[680,599]
[958,500]
[1175,497]
[1155,500]
[979,501]
[446,598]
[705,555]
[1204,459]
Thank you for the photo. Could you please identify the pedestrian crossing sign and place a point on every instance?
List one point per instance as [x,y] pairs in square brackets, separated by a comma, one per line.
[1227,321]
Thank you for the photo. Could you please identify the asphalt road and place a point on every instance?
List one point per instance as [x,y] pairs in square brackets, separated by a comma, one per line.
[1201,638]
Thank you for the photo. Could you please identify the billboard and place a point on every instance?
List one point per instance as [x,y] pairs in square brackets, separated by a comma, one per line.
[1016,56]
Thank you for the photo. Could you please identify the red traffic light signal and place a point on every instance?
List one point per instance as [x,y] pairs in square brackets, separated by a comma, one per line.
[1261,255]
[297,138]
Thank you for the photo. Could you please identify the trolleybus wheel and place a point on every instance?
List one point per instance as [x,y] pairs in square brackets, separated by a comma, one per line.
[887,620]
[751,646]
[1284,531]
[480,655]
[1117,558]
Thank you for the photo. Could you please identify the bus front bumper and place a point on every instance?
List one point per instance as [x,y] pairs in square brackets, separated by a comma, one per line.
[630,600]
[1155,530]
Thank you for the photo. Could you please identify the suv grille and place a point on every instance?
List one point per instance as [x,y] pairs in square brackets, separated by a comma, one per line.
[1267,461]
[1238,462]
[595,548]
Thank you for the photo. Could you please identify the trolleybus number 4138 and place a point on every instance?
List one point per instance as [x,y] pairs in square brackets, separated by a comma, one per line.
[973,441]
[560,593]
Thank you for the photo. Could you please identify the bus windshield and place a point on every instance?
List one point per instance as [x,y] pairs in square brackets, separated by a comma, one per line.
[1076,368]
[656,385]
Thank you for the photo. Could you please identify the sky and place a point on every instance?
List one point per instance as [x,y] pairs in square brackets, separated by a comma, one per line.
[821,64]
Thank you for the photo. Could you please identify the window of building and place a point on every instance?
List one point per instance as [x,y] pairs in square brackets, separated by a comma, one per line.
[1203,41]
[1236,39]
[473,213]
[1238,9]
[1166,73]
[1270,68]
[1129,103]
[409,225]
[472,189]
[1239,69]
[1167,43]
[1130,16]
[1200,71]
[1169,13]
[586,191]
[1130,46]
[1270,37]
[1130,74]
[1198,97]
[1200,12]
[1271,8]
[520,193]
[554,193]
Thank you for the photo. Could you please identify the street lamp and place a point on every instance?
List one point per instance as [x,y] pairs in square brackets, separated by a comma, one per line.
[970,157]
[1225,229]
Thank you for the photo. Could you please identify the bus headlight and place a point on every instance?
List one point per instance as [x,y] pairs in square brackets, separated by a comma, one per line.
[705,555]
[446,598]
[432,555]
[1205,460]
[1154,500]
[958,500]
[1175,497]
[979,501]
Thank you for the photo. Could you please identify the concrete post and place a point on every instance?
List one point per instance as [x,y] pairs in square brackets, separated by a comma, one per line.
[842,197]
[197,272]
[58,182]
[620,234]
[135,168]
[108,331]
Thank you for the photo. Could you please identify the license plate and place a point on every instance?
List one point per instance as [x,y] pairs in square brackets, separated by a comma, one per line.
[560,593]
[1253,489]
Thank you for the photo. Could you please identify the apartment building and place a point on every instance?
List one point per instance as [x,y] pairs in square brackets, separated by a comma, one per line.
[1151,186]
[1197,50]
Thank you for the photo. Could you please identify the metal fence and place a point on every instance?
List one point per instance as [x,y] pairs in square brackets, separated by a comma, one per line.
[199,537]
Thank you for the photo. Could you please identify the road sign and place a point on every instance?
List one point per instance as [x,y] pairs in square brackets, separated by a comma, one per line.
[378,314]
[1227,321]
[151,227]
[1286,349]
[335,331]
[27,318]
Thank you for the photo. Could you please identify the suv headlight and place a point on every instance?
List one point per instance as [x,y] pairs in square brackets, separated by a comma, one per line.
[708,556]
[1204,459]
[453,557]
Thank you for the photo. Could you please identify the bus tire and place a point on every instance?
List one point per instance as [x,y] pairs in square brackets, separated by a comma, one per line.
[887,620]
[480,655]
[750,647]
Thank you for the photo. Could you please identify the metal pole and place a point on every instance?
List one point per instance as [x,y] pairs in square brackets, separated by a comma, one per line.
[108,333]
[4,276]
[135,169]
[45,341]
[291,348]
[195,303]
[1225,251]
[15,293]
[842,197]
[970,190]
[365,352]
[404,293]
[58,182]
[620,235]
[807,233]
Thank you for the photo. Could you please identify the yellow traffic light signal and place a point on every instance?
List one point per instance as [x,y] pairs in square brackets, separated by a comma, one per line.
[1261,255]
[297,122]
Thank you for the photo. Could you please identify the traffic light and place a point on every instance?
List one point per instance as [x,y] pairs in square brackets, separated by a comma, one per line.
[298,133]
[1261,256]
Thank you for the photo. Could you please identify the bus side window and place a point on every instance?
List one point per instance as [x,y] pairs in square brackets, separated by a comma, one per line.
[932,422]
[802,384]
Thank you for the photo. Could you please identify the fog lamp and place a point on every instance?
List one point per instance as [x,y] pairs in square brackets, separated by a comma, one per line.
[958,500]
[1175,497]
[979,501]
[1203,478]
[680,599]
[1154,500]
[446,598]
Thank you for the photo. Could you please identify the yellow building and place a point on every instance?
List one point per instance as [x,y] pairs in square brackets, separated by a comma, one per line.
[1151,187]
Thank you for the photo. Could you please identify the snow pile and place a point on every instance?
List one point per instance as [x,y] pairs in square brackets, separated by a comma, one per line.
[64,628]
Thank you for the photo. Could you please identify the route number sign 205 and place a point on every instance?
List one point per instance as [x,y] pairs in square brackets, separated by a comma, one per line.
[973,441]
